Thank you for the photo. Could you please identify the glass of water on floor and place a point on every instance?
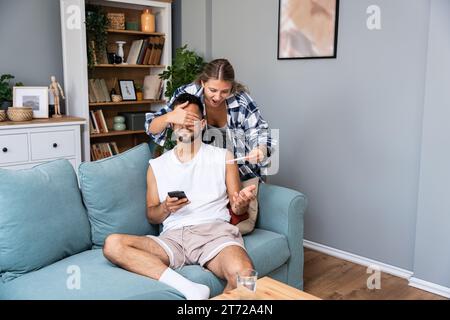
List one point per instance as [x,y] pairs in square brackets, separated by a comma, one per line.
[246,283]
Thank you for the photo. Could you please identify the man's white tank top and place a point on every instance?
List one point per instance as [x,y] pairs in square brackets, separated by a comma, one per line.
[202,179]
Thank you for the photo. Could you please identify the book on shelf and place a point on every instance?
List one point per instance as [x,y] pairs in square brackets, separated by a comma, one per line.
[92,97]
[93,94]
[156,44]
[141,55]
[101,121]
[98,91]
[93,119]
[104,150]
[146,51]
[152,86]
[105,90]
[159,49]
[98,88]
[135,49]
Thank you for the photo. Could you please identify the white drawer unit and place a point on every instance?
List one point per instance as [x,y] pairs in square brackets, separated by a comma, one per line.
[13,148]
[50,145]
[26,144]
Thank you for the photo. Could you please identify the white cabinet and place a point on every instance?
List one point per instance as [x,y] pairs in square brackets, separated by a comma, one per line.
[25,145]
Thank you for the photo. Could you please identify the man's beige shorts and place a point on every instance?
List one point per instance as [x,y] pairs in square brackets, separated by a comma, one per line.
[198,244]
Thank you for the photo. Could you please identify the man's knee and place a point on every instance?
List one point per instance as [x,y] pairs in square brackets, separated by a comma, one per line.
[237,266]
[113,244]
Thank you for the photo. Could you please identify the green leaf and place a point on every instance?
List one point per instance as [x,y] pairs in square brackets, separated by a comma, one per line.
[186,65]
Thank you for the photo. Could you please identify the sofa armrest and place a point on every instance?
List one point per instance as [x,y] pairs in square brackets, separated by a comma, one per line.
[281,210]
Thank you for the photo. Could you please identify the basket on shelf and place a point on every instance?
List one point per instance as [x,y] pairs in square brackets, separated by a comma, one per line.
[117,21]
[116,98]
[2,115]
[20,113]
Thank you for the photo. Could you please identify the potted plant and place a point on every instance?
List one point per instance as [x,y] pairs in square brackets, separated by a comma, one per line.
[6,91]
[186,66]
[97,25]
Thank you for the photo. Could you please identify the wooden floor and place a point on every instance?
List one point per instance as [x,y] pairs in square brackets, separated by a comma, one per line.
[331,278]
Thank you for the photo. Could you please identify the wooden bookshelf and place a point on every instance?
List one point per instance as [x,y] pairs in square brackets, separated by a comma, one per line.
[116,133]
[74,42]
[137,33]
[124,65]
[125,103]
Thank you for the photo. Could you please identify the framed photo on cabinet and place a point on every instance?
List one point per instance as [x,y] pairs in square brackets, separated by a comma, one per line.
[34,97]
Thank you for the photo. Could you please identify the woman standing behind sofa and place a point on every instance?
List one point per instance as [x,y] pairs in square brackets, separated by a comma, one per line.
[233,118]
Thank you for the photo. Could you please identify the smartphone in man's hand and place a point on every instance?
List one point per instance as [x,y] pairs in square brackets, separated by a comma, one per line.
[177,194]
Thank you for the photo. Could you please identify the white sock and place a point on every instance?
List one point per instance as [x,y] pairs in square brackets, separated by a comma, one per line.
[191,290]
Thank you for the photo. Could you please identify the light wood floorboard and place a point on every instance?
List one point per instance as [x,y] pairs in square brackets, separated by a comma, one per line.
[332,278]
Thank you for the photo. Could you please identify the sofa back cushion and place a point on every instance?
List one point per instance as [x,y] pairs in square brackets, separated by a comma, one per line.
[114,193]
[42,218]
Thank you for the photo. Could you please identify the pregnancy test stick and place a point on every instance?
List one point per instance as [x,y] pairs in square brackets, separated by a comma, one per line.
[236,159]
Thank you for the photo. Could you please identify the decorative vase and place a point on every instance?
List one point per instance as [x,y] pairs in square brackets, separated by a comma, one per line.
[120,49]
[119,126]
[147,21]
[139,96]
[119,119]
[119,123]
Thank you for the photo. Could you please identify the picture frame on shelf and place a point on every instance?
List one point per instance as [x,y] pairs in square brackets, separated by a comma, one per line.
[307,29]
[34,97]
[127,90]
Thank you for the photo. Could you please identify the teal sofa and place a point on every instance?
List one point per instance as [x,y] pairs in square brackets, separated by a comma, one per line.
[53,226]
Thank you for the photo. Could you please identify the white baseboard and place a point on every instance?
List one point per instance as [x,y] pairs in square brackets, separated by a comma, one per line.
[386,268]
[430,287]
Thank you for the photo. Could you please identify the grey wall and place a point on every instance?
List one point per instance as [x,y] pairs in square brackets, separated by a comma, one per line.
[432,258]
[349,127]
[195,20]
[30,35]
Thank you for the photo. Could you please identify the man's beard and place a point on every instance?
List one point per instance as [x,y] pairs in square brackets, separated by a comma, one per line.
[184,138]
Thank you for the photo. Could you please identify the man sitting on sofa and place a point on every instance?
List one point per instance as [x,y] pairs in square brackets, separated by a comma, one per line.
[196,229]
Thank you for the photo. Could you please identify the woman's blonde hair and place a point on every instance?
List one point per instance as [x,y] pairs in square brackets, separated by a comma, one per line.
[220,69]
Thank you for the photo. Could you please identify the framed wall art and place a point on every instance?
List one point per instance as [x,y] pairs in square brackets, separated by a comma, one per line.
[307,29]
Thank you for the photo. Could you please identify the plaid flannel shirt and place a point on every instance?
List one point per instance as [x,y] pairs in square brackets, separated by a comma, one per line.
[245,127]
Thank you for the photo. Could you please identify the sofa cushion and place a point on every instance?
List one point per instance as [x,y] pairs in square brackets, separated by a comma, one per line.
[42,217]
[261,243]
[114,192]
[87,275]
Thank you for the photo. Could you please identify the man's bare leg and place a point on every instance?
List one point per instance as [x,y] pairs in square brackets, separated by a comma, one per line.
[144,256]
[140,255]
[228,263]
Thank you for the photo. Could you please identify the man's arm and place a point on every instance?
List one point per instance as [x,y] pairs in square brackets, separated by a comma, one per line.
[239,199]
[158,211]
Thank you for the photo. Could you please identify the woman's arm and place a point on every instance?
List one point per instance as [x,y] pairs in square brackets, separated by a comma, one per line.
[239,199]
[257,130]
